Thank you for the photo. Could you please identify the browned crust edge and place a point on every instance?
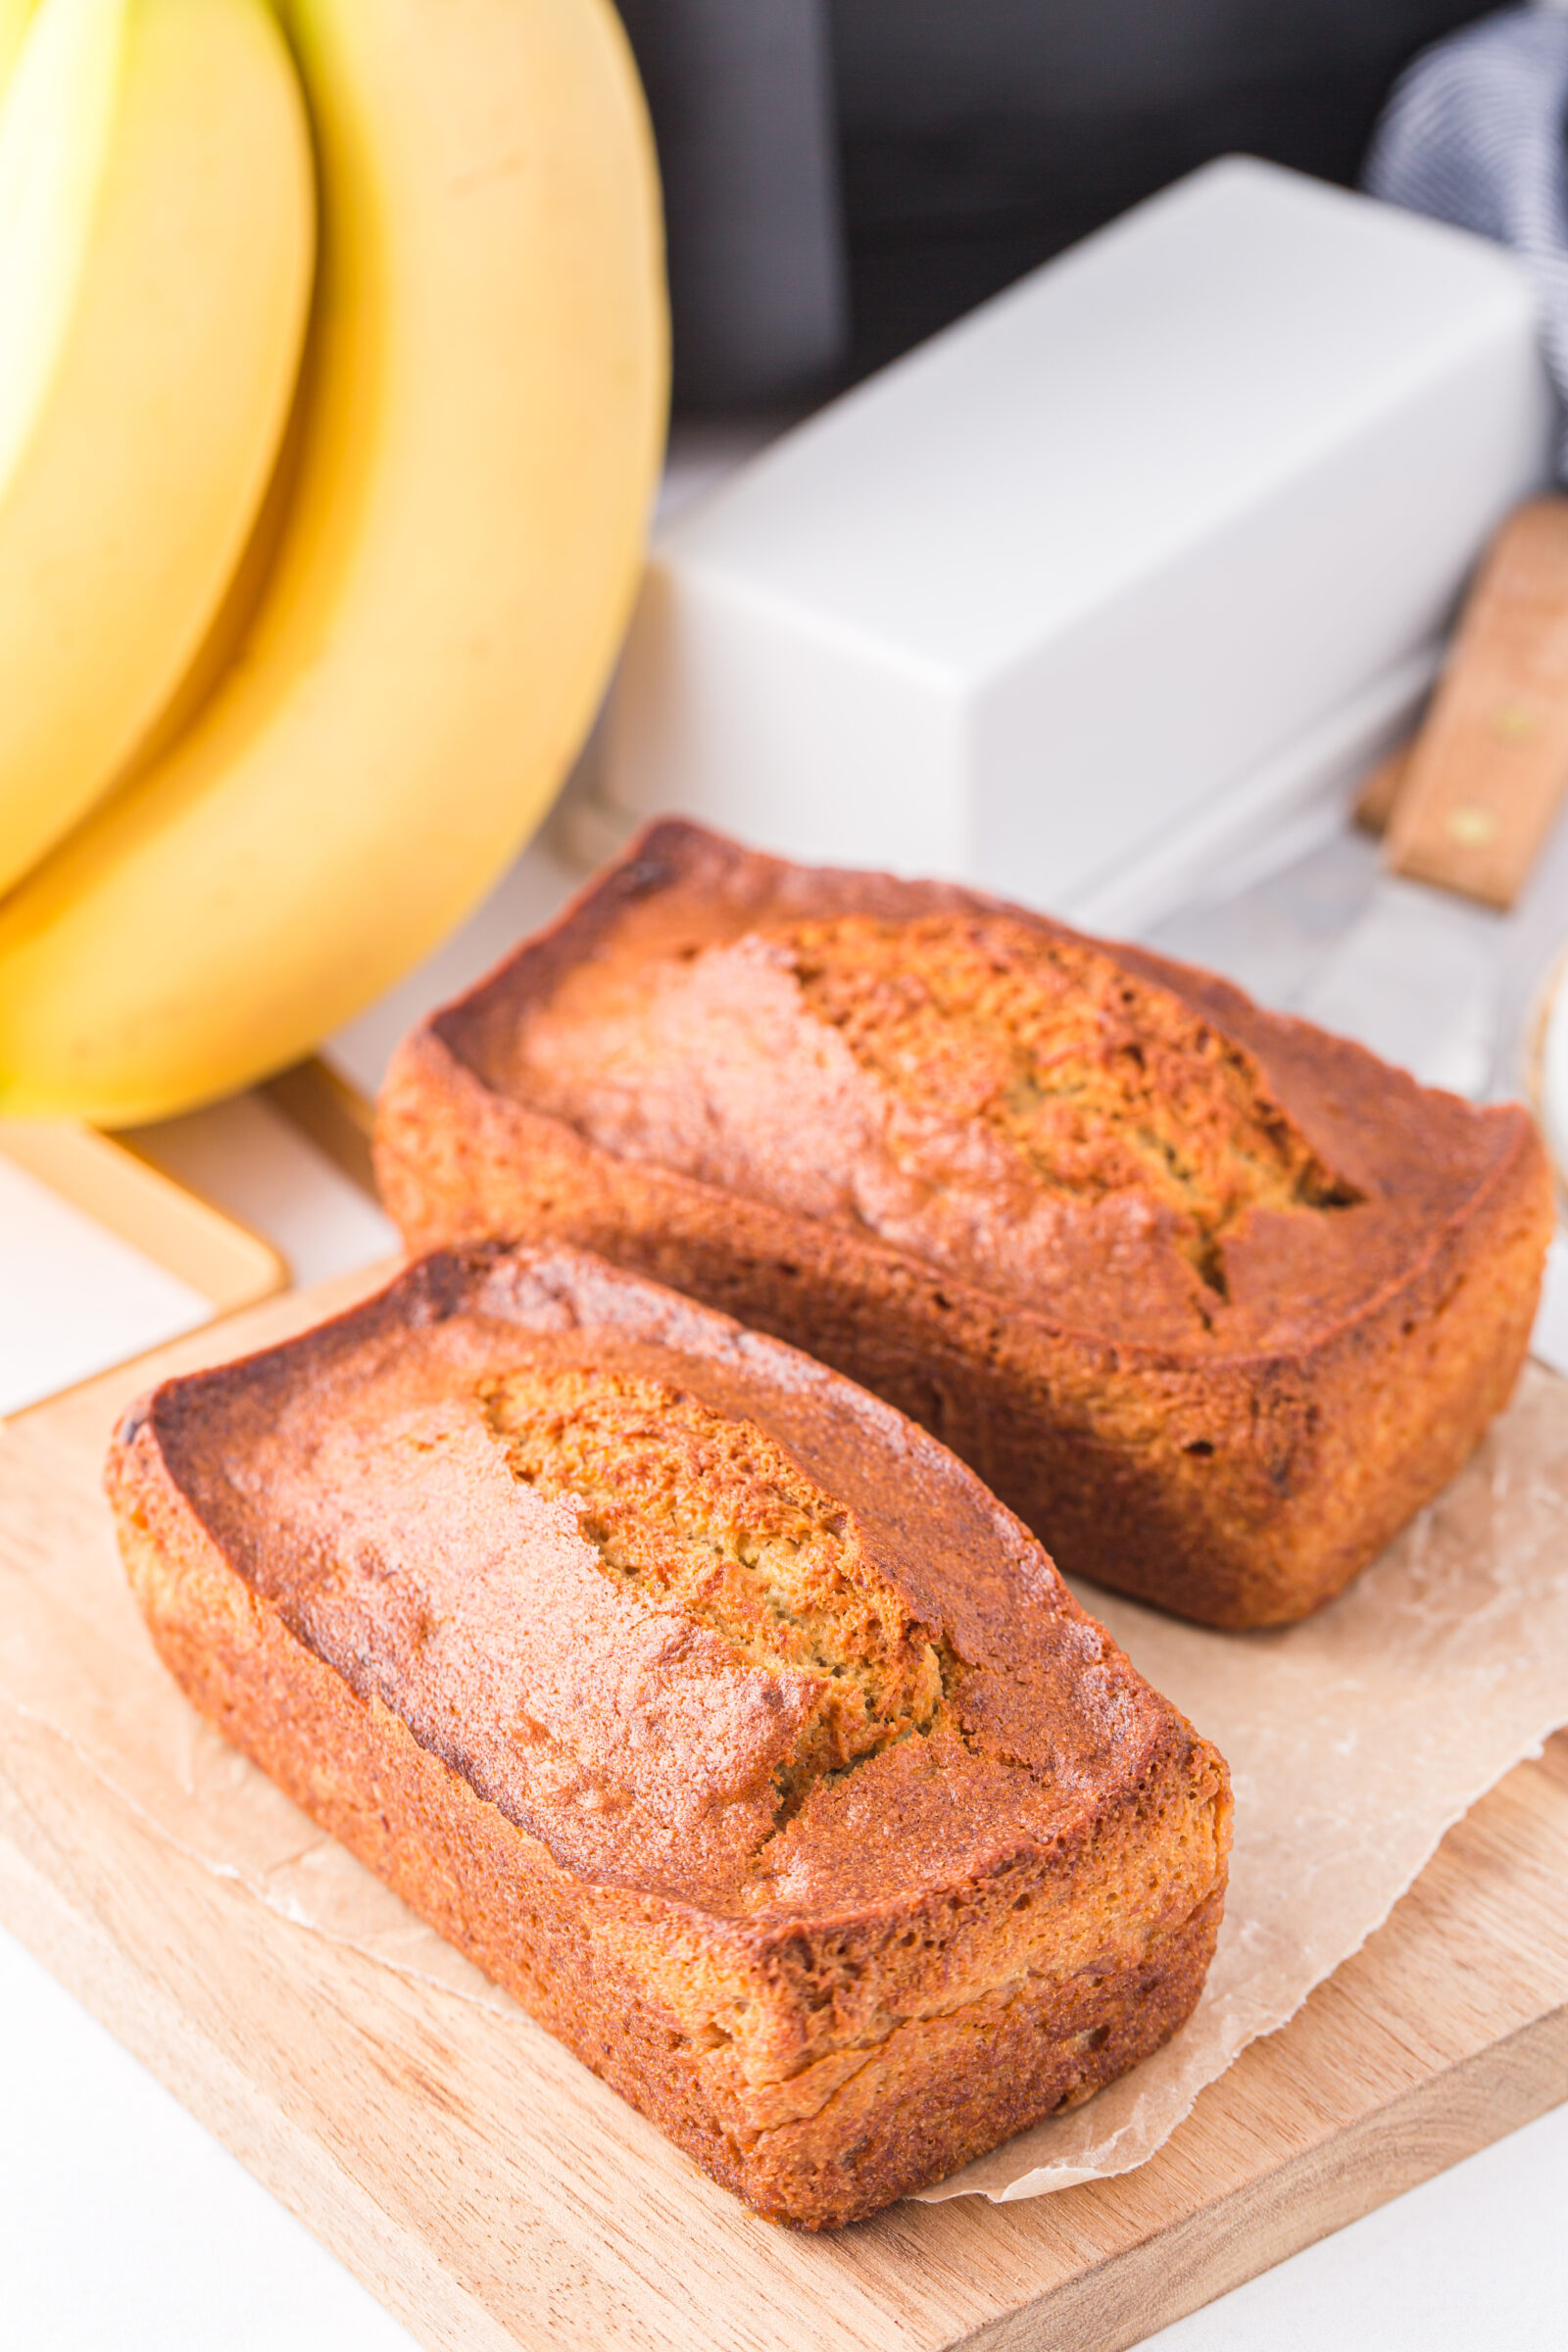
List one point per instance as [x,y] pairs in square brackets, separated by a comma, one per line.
[592,1962]
[1239,1491]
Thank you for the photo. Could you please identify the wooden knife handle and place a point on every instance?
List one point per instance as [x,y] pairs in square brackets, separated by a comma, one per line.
[1487,771]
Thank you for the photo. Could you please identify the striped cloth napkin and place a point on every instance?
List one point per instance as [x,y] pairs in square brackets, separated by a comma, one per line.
[1476,133]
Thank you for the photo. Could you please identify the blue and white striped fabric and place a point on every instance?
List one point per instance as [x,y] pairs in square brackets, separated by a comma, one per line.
[1476,133]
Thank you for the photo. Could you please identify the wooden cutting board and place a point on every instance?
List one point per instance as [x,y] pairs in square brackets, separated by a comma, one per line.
[494,2194]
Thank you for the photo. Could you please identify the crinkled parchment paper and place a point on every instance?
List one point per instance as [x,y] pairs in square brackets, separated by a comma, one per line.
[1354,1741]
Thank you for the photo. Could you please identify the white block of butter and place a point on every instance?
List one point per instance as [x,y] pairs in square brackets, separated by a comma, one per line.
[1059,584]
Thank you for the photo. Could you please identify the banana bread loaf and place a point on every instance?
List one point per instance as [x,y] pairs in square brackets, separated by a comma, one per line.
[704,1702]
[1213,1299]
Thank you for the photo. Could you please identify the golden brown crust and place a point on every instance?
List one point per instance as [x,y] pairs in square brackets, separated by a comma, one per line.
[1015,1108]
[1223,1394]
[831,1967]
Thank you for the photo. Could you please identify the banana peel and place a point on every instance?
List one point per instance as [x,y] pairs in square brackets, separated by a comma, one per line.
[479,433]
[157,245]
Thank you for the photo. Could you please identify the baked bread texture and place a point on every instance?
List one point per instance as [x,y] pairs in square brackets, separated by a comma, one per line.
[1214,1300]
[702,1700]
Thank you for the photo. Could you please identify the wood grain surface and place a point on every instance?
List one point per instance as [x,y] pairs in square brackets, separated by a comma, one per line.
[493,2193]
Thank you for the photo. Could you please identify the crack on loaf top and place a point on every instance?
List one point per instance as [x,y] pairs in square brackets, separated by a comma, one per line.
[707,1513]
[1100,1081]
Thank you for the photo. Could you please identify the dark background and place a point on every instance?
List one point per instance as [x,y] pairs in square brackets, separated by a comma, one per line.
[843,177]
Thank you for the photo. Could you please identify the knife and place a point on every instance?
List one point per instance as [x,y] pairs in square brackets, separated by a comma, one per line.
[1437,971]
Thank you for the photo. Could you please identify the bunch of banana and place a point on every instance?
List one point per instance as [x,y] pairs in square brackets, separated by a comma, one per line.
[329,425]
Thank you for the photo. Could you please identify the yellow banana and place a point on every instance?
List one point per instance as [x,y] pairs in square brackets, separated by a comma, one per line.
[157,238]
[13,15]
[481,436]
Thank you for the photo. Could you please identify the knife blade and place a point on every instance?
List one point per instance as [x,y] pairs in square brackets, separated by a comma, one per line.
[1417,978]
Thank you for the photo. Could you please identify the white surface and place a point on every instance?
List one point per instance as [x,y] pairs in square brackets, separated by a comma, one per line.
[1417,980]
[1304,788]
[1473,2260]
[1450,989]
[1549,1339]
[1088,558]
[1554,1064]
[74,1298]
[245,1158]
[124,2228]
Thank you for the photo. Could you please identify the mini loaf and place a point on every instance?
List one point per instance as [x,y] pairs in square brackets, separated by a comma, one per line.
[699,1697]
[1213,1299]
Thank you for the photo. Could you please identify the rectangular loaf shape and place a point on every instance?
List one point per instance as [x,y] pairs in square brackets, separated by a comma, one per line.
[1213,1300]
[702,1700]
